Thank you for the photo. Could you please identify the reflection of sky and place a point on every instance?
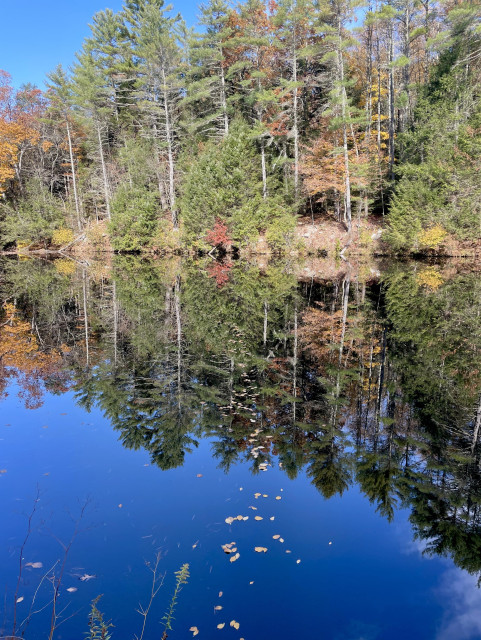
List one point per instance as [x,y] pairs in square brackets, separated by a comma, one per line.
[457,591]
[461,599]
[362,587]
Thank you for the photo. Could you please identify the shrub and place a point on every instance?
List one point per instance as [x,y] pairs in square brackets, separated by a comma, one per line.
[133,223]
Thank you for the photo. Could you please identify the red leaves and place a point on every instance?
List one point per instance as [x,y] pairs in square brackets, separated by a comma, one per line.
[219,236]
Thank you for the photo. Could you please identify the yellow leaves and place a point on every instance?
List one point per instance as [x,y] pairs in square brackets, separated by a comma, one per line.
[253,508]
[258,518]
[194,630]
[221,625]
[260,549]
[234,558]
[234,624]
[229,520]
[34,565]
[64,266]
[431,238]
[256,495]
[218,608]
[229,547]
[21,599]
[276,537]
[272,518]
[278,497]
[221,593]
[430,278]
[298,561]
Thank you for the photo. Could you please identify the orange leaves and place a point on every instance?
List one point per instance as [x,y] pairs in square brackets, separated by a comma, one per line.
[20,355]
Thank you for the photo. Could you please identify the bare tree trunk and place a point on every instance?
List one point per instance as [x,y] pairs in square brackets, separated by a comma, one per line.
[347,176]
[296,121]
[74,179]
[104,172]
[391,102]
[223,100]
[264,174]
[170,153]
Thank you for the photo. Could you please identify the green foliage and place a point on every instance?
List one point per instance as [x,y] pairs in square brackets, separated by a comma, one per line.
[98,628]
[181,578]
[36,217]
[134,218]
[439,183]
[225,182]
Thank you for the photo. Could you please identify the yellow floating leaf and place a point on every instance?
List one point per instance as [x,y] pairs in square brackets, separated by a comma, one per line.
[258,518]
[298,562]
[20,599]
[221,625]
[281,539]
[229,520]
[271,518]
[278,497]
[240,517]
[234,558]
[253,508]
[276,537]
[72,589]
[260,549]
[252,582]
[193,629]
[217,608]
[120,506]
[199,475]
[221,593]
[288,551]
[234,624]
[34,565]
[245,518]
[256,495]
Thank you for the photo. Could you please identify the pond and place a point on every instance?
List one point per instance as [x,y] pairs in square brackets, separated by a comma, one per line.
[306,441]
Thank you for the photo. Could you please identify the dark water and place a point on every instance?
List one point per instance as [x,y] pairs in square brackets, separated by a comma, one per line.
[143,404]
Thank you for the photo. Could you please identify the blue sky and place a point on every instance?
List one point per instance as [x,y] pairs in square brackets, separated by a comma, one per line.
[39,34]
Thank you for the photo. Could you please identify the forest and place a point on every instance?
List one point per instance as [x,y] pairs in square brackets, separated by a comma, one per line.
[166,137]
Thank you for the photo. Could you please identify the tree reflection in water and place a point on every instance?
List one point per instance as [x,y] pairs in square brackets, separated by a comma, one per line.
[352,379]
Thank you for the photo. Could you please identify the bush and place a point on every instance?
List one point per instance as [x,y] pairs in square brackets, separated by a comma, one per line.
[36,218]
[134,218]
[224,184]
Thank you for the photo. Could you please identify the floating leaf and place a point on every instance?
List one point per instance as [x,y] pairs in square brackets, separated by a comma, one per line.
[241,488]
[20,599]
[194,630]
[234,624]
[288,551]
[234,558]
[72,589]
[260,549]
[256,495]
[278,497]
[281,539]
[258,518]
[34,565]
[253,508]
[276,537]
[217,608]
[221,593]
[264,495]
[239,517]
[298,562]
[252,582]
[120,506]
[271,518]
[199,475]
[221,625]
[229,520]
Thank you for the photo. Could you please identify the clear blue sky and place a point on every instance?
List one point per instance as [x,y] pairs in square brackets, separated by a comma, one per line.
[39,34]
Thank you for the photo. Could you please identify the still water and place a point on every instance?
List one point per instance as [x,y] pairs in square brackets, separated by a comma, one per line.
[306,441]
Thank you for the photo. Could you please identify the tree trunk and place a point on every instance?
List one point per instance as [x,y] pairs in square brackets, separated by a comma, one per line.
[74,179]
[170,154]
[104,172]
